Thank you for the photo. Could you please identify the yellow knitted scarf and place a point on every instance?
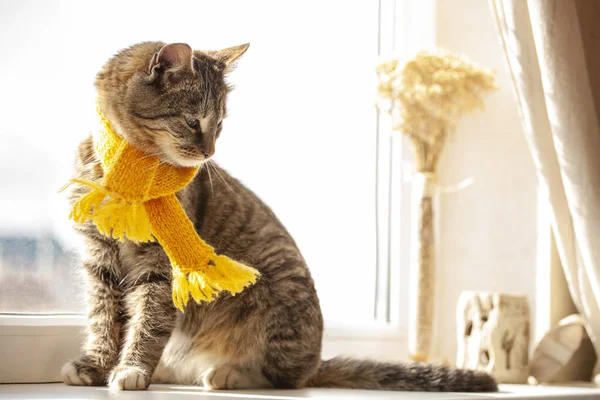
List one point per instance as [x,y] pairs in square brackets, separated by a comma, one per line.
[136,199]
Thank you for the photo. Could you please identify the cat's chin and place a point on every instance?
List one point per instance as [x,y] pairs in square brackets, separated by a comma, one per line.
[190,162]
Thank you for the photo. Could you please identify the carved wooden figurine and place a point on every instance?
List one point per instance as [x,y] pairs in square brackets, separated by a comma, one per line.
[493,334]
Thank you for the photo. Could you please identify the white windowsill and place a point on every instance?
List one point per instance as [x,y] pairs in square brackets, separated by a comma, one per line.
[167,392]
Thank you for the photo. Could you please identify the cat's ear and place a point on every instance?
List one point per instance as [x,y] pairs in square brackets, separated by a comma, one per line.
[229,55]
[171,57]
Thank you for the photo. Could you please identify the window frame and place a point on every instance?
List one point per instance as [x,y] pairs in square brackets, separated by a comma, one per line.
[25,338]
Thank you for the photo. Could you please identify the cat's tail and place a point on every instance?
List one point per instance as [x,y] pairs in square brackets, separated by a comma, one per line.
[373,375]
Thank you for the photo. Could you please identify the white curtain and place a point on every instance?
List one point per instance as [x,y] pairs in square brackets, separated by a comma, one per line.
[552,48]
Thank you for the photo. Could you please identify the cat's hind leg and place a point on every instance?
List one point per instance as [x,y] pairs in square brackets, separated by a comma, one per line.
[293,335]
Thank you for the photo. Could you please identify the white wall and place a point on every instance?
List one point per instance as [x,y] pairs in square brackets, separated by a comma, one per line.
[488,230]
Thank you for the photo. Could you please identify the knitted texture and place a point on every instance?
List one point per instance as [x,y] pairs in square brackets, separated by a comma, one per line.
[136,200]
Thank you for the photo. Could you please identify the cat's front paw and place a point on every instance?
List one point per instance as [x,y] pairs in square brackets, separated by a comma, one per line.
[82,373]
[128,378]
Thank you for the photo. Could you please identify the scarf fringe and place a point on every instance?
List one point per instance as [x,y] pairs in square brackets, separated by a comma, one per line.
[117,218]
[206,284]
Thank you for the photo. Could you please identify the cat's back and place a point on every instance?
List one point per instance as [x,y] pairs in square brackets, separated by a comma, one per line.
[237,222]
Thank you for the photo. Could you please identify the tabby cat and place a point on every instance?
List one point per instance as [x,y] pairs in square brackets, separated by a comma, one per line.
[170,100]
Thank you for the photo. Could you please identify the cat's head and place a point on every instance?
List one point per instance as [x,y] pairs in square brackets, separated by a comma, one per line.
[168,99]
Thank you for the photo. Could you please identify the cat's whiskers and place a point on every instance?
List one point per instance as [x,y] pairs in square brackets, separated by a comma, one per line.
[223,179]
[212,192]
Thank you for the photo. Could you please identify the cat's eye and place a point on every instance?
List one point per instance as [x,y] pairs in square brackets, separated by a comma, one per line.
[193,123]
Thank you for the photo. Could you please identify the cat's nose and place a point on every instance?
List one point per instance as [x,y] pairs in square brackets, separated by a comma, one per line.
[208,147]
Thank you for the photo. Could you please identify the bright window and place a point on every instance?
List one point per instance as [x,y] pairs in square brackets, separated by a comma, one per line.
[301,131]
